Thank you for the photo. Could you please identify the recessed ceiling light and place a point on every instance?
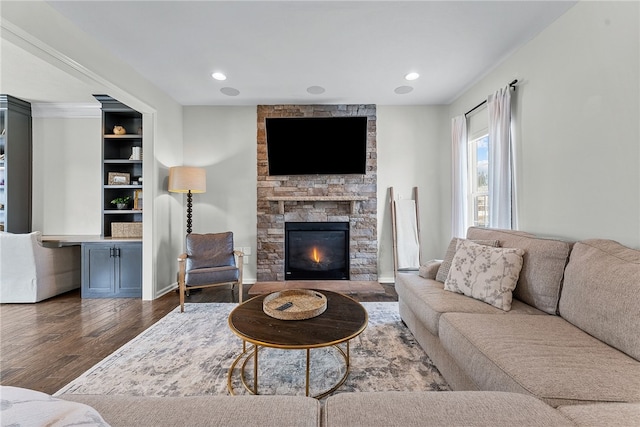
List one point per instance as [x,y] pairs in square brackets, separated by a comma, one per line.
[315,90]
[219,76]
[229,91]
[412,76]
[401,90]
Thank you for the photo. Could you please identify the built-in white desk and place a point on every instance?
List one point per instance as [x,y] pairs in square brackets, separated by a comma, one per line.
[53,241]
[111,267]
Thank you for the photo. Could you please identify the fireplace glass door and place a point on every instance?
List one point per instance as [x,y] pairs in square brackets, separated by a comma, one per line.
[317,250]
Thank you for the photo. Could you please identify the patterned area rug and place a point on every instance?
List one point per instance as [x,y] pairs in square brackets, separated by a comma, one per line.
[189,354]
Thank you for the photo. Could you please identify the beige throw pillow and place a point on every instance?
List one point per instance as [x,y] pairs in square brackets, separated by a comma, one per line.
[443,271]
[485,273]
[429,269]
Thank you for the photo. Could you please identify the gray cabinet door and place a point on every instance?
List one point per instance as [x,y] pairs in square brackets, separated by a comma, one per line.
[97,270]
[129,270]
[112,270]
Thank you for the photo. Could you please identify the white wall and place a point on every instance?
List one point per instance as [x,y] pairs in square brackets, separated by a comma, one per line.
[66,174]
[409,144]
[223,141]
[577,112]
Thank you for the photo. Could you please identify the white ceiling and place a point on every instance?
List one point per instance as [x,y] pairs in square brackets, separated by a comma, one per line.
[272,51]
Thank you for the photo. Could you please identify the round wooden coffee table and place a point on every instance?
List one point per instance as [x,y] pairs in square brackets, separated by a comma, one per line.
[343,319]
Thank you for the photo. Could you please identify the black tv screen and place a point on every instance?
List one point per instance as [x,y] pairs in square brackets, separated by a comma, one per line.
[316,145]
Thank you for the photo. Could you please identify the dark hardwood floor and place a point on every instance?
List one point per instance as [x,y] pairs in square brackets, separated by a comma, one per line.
[46,345]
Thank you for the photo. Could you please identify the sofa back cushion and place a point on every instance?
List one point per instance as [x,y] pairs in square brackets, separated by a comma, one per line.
[601,293]
[543,265]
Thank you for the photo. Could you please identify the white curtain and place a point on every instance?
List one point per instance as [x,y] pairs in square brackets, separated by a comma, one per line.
[500,159]
[459,178]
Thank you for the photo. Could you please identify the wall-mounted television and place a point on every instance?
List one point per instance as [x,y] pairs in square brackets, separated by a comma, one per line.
[316,145]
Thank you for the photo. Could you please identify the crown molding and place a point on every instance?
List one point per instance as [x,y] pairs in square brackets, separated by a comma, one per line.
[60,110]
[42,50]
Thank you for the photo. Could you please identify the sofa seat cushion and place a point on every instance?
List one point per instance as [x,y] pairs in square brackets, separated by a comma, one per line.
[205,276]
[544,356]
[601,293]
[543,265]
[428,299]
[603,414]
[431,408]
[210,411]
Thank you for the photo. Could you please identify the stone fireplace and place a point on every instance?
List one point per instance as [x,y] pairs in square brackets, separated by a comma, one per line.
[348,199]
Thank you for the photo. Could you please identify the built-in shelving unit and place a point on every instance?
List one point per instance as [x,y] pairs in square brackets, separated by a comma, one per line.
[15,165]
[112,267]
[121,163]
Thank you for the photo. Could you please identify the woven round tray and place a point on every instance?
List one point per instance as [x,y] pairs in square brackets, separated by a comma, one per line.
[294,304]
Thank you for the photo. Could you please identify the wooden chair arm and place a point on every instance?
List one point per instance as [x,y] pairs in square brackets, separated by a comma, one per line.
[182,257]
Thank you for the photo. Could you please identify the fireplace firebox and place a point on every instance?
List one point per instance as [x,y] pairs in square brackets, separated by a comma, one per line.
[316,250]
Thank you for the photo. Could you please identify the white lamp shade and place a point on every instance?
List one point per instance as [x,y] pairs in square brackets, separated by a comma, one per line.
[183,179]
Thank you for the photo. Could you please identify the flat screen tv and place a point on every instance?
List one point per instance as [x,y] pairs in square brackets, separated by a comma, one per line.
[316,145]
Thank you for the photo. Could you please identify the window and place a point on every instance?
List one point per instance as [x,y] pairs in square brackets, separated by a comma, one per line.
[478,187]
[483,164]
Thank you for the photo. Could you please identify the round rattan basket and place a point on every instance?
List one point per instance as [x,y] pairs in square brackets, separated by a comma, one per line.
[295,304]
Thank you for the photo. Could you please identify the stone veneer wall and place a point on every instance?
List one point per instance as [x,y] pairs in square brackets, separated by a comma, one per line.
[362,219]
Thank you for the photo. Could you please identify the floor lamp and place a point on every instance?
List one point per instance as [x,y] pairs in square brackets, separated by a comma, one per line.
[186,179]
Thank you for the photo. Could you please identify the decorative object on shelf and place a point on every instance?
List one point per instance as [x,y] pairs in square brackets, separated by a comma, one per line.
[119,130]
[118,178]
[126,229]
[187,179]
[137,200]
[121,202]
[136,153]
[294,304]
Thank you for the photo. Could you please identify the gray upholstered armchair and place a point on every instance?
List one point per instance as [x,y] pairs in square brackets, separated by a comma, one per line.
[210,260]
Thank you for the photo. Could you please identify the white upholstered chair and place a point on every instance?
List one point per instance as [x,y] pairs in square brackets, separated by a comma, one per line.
[30,272]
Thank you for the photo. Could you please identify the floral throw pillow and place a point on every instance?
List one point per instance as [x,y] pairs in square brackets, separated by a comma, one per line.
[443,271]
[485,273]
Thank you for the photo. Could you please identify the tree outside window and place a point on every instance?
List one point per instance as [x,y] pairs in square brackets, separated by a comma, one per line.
[479,181]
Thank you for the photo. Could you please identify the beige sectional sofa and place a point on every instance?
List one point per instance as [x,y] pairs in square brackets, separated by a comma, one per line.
[572,335]
[405,409]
